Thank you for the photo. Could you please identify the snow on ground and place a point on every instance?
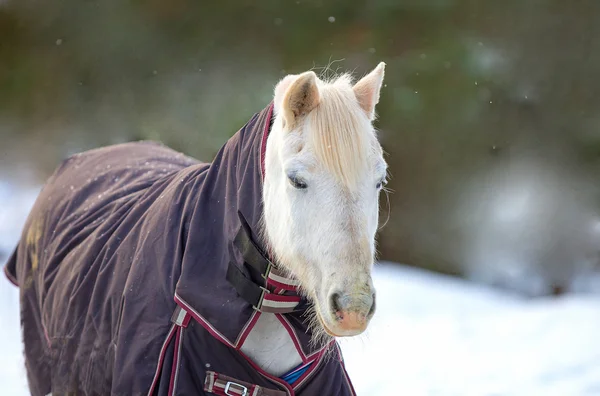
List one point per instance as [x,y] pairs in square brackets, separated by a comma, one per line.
[432,335]
[15,202]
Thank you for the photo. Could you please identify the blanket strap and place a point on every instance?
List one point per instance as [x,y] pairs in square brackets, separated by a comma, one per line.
[222,385]
[261,298]
[180,317]
[262,295]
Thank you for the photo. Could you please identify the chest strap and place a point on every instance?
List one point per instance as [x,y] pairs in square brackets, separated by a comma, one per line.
[262,295]
[222,385]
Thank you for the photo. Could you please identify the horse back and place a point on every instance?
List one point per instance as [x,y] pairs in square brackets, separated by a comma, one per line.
[84,189]
[69,263]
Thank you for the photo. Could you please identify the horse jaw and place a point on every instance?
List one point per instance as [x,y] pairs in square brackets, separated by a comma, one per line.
[324,234]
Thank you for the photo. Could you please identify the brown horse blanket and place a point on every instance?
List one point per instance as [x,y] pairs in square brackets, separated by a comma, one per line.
[122,269]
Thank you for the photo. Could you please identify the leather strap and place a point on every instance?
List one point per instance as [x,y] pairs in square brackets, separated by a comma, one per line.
[222,385]
[253,255]
[262,296]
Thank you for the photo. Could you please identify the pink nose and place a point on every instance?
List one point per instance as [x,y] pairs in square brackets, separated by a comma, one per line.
[351,320]
[352,312]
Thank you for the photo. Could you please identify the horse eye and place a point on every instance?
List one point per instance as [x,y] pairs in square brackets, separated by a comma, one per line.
[297,183]
[381,184]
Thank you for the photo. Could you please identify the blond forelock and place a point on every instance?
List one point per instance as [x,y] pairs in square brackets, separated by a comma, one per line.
[339,131]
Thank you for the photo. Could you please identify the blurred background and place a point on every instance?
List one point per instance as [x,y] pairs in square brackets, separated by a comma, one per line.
[489,114]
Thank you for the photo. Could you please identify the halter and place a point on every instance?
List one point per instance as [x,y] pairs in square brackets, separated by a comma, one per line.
[274,293]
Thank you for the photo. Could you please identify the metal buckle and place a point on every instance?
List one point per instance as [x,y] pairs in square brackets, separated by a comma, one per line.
[262,297]
[266,274]
[239,388]
[263,288]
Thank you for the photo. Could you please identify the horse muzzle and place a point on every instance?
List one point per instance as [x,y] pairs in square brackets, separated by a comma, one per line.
[349,313]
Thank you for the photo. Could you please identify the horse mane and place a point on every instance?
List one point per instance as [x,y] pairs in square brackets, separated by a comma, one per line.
[340,132]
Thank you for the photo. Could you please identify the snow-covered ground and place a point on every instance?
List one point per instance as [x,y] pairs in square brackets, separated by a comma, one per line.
[432,335]
[15,202]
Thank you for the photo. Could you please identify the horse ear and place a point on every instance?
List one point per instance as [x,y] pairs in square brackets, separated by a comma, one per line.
[368,88]
[296,95]
[280,90]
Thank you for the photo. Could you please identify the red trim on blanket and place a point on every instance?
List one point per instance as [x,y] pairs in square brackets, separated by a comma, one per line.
[204,323]
[10,277]
[308,373]
[263,152]
[214,332]
[268,376]
[263,144]
[175,366]
[314,363]
[161,358]
[305,359]
[186,320]
[247,329]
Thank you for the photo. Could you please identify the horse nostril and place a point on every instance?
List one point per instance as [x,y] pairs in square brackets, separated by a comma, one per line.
[342,305]
[334,301]
[372,310]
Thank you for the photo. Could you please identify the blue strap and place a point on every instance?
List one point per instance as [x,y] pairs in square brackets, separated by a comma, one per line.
[293,375]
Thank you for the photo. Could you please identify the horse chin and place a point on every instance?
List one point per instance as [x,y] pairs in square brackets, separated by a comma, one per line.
[329,332]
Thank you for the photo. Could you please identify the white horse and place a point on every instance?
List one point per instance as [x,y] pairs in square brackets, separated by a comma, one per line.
[324,171]
[110,273]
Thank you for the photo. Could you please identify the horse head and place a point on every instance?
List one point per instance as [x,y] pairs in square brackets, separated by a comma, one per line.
[324,171]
